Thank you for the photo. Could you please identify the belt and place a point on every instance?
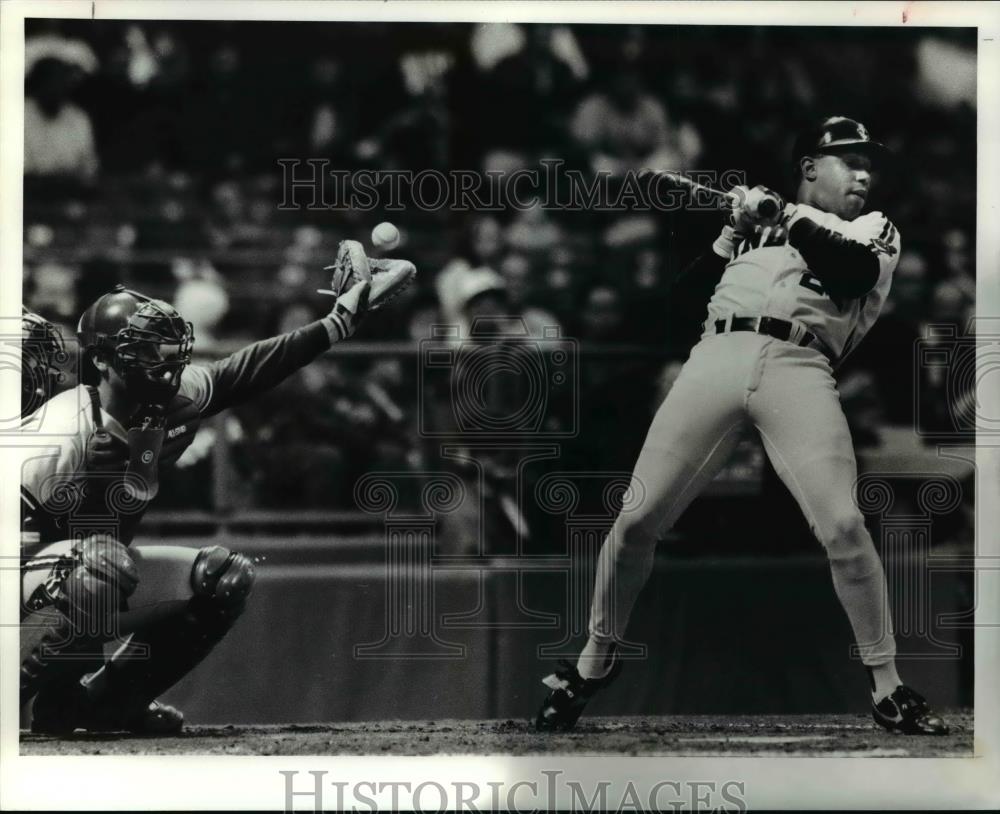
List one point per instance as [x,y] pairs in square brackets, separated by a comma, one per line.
[778,328]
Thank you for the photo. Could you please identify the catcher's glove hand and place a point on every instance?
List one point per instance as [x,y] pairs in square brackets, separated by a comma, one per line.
[387,277]
[348,311]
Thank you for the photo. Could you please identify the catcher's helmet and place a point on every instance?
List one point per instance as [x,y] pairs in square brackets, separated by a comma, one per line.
[43,352]
[836,134]
[131,332]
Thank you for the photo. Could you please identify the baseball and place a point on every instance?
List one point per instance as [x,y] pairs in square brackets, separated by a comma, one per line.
[385,236]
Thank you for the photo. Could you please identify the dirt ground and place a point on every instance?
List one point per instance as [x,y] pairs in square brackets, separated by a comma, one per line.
[682,735]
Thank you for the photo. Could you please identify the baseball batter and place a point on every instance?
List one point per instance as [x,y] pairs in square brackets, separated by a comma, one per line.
[798,291]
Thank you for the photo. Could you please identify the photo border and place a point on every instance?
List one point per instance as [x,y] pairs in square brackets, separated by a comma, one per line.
[216,782]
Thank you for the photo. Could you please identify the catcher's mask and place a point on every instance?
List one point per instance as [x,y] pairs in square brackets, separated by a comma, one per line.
[145,341]
[43,353]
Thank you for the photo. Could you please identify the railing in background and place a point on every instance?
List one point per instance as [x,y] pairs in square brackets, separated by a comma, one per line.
[224,517]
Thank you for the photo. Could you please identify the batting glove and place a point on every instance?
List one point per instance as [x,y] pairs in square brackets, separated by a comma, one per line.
[755,209]
[725,243]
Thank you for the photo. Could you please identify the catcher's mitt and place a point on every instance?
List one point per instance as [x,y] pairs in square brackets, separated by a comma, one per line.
[387,277]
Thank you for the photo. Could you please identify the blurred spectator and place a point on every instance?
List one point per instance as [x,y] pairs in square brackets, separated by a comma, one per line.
[151,59]
[149,74]
[227,215]
[537,82]
[493,42]
[952,304]
[486,241]
[52,292]
[52,44]
[630,231]
[483,245]
[559,288]
[625,128]
[480,302]
[225,132]
[417,137]
[329,135]
[58,137]
[204,302]
[958,260]
[947,71]
[603,316]
[532,231]
[518,277]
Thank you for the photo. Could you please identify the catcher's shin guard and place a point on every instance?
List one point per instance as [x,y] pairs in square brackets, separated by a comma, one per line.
[569,695]
[125,687]
[73,613]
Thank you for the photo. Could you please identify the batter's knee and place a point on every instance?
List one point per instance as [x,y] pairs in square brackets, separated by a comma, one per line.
[846,526]
[633,533]
[103,576]
[222,580]
[850,548]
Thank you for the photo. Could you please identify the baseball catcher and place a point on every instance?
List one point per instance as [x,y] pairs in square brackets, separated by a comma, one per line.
[84,585]
[799,285]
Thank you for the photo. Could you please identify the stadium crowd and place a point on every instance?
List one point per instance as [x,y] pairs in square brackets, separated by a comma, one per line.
[151,158]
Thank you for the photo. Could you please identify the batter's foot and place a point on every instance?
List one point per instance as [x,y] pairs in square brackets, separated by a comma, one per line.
[569,694]
[63,711]
[906,711]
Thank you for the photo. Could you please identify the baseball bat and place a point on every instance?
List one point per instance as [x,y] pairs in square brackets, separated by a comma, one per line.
[767,208]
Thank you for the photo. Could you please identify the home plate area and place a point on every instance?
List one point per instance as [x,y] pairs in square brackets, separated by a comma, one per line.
[851,735]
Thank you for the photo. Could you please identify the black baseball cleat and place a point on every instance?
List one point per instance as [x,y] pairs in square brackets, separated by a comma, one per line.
[569,694]
[64,711]
[907,711]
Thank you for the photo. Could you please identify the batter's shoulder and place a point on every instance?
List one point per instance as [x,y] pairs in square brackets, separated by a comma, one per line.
[878,233]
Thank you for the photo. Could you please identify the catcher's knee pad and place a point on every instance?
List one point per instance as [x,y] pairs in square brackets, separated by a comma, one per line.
[98,576]
[222,580]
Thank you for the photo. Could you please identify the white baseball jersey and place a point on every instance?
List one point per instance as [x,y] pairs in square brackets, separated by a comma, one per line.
[767,278]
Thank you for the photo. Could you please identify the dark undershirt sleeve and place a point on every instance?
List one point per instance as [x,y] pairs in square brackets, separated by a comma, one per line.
[263,365]
[845,267]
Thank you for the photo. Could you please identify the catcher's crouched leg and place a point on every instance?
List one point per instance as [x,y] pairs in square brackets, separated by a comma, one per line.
[123,691]
[73,593]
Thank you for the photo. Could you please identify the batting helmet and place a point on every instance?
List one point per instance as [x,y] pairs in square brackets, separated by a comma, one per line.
[43,353]
[145,340]
[836,134]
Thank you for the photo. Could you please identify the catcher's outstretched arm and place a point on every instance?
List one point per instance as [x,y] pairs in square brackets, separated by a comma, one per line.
[265,364]
[256,368]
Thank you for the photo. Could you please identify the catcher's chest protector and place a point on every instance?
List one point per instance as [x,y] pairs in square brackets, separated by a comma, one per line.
[162,446]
